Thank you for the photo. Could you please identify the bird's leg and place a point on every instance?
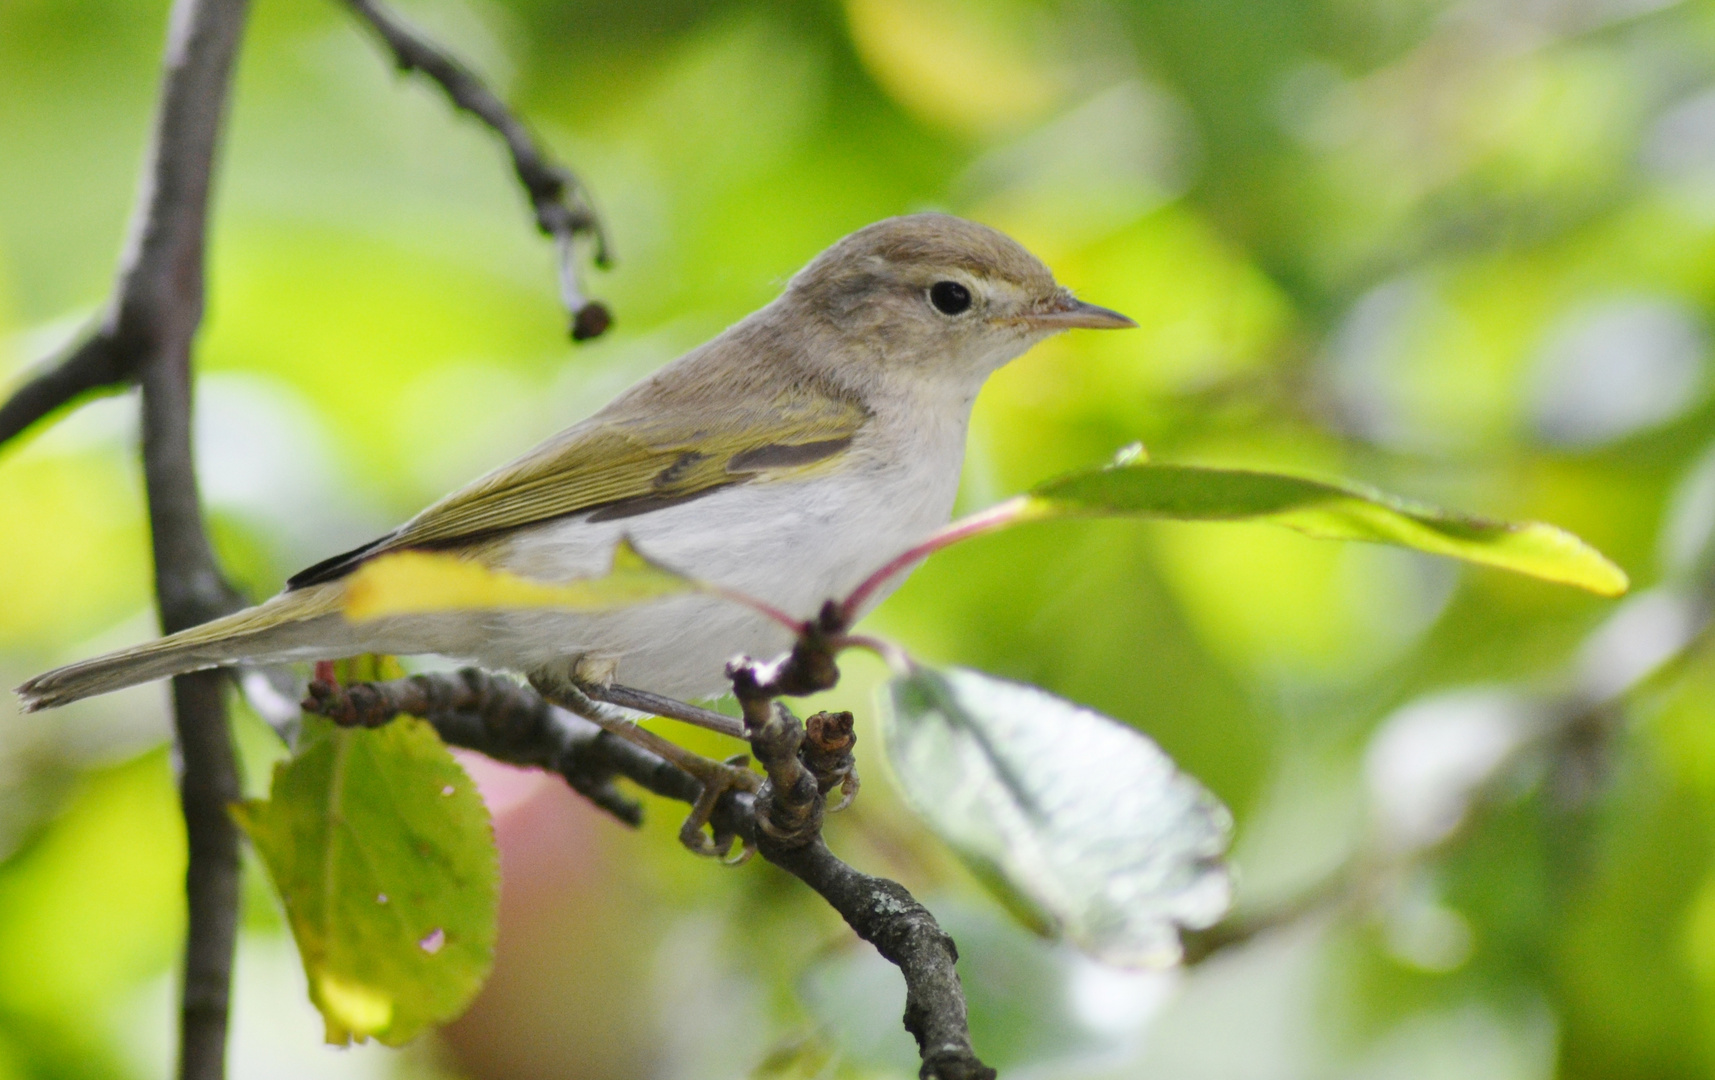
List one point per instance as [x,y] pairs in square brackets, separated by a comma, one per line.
[716,777]
[672,708]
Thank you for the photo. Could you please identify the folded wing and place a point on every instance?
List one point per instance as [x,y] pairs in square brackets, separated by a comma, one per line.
[614,466]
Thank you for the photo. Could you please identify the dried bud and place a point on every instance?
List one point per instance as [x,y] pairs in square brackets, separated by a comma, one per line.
[591,320]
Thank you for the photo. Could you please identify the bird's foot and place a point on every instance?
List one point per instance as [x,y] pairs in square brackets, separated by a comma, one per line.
[717,778]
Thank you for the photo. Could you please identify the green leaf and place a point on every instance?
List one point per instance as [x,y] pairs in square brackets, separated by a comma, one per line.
[384,856]
[1080,823]
[1327,510]
[417,582]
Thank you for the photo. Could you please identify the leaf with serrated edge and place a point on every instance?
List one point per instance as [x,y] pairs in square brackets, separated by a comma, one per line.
[1083,824]
[383,854]
[422,582]
[1327,510]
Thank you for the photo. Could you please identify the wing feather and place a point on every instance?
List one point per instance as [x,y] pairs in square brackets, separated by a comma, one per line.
[626,463]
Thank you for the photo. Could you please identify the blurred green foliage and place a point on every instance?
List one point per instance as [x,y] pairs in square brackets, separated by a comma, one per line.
[1462,251]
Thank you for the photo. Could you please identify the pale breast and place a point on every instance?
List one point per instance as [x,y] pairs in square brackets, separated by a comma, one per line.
[793,543]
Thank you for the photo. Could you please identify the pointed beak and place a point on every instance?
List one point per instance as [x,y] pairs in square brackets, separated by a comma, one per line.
[1065,313]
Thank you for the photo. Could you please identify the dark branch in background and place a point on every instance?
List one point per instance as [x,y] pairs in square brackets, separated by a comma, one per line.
[152,284]
[158,310]
[93,364]
[145,336]
[512,723]
[562,208]
[1569,746]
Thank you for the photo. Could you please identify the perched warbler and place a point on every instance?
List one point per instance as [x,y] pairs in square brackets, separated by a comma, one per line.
[786,459]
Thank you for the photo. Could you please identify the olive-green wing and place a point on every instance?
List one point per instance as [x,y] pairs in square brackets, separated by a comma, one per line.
[616,468]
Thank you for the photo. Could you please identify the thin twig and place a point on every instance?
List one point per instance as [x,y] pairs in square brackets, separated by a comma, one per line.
[1573,733]
[515,724]
[983,521]
[559,200]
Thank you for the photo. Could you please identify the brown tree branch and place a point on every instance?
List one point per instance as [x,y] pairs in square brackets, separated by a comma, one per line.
[884,914]
[146,335]
[153,322]
[559,200]
[788,831]
[93,364]
[512,723]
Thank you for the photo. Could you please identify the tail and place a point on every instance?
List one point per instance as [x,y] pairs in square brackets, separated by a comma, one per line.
[293,625]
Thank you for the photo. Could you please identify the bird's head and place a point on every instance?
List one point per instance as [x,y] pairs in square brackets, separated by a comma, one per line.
[930,293]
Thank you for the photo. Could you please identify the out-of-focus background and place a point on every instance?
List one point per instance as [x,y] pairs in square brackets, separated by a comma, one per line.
[1464,251]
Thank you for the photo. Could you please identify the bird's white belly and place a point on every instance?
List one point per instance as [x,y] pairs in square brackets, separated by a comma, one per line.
[794,544]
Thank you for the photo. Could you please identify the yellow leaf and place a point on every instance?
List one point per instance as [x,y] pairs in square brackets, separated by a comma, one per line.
[419,582]
[352,1010]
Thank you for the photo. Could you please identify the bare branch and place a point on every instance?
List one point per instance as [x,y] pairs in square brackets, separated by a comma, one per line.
[147,335]
[94,364]
[789,811]
[512,723]
[1569,746]
[561,205]
[884,914]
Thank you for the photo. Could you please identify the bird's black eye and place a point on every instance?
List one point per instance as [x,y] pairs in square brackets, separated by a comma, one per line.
[949,297]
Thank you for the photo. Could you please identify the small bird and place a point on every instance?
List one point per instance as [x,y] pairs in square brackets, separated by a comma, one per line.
[785,459]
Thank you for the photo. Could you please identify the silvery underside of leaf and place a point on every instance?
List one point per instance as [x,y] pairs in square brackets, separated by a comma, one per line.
[1080,819]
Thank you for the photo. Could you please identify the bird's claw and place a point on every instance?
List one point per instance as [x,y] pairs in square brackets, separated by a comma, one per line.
[717,779]
[848,791]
